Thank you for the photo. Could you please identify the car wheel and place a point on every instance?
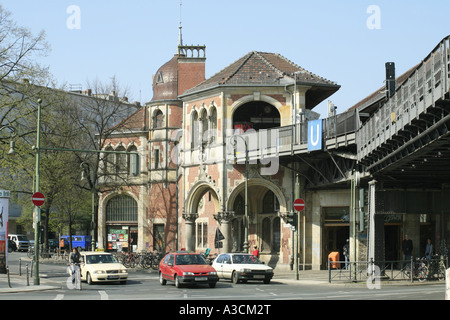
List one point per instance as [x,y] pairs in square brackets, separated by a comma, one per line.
[267,281]
[162,281]
[177,282]
[88,278]
[235,277]
[123,282]
[212,284]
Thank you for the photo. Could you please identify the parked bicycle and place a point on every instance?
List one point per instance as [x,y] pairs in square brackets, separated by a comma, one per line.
[128,260]
[419,270]
[436,268]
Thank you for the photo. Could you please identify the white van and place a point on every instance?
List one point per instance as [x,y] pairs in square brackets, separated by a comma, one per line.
[21,241]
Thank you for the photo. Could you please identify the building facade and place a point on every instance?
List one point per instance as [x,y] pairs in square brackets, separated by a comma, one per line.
[221,161]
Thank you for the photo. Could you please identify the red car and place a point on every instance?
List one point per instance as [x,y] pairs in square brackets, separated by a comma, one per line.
[186,268]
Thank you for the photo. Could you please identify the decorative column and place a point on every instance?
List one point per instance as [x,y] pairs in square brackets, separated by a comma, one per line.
[190,230]
[224,218]
[376,228]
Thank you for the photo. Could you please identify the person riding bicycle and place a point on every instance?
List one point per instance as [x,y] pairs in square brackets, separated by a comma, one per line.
[74,260]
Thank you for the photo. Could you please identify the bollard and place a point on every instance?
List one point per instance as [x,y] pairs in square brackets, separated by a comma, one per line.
[20,267]
[9,280]
[28,279]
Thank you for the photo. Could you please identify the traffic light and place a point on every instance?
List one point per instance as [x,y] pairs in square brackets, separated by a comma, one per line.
[292,219]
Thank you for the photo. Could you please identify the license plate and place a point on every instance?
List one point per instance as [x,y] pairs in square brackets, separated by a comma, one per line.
[259,277]
[201,279]
[113,277]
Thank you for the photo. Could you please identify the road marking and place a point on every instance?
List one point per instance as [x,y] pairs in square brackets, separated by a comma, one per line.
[103,295]
[59,297]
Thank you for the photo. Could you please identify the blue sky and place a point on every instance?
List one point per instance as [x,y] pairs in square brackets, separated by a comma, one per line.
[343,41]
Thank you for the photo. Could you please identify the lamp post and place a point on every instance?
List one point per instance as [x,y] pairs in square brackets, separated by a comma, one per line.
[92,182]
[246,191]
[37,219]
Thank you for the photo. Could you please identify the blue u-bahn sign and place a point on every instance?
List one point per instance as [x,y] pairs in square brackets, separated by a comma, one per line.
[314,135]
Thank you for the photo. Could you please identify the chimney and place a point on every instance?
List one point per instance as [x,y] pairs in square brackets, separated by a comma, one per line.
[390,80]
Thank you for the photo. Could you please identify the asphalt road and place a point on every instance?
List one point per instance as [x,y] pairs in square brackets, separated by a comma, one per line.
[144,285]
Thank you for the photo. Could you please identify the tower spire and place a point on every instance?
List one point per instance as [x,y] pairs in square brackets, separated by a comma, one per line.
[180,33]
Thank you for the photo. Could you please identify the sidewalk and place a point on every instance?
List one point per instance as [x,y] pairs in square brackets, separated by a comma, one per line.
[19,284]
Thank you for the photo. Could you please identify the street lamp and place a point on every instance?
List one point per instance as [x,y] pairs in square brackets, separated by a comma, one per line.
[11,151]
[234,142]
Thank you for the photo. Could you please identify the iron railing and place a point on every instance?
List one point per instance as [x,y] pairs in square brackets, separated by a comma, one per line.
[426,85]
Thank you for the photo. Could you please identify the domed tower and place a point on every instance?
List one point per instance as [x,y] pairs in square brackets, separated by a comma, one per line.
[185,70]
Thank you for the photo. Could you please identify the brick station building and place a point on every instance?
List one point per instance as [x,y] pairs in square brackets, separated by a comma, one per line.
[188,185]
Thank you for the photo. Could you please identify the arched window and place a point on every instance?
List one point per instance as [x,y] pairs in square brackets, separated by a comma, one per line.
[158,119]
[108,161]
[205,128]
[256,115]
[121,160]
[122,208]
[265,236]
[239,205]
[276,235]
[270,203]
[195,130]
[213,125]
[133,161]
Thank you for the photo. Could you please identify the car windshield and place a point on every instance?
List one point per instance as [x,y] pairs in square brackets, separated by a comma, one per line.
[22,238]
[245,258]
[100,258]
[183,259]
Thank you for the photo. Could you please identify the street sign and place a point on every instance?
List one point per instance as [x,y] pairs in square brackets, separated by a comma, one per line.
[38,199]
[314,135]
[299,204]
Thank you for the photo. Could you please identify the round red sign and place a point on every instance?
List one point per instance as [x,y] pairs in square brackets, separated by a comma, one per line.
[38,199]
[299,204]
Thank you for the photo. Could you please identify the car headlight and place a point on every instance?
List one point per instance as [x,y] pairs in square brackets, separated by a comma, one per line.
[188,273]
[123,271]
[99,271]
[245,270]
[269,271]
[212,273]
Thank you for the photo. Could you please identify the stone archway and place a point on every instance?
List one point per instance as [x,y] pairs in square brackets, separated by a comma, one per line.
[264,225]
[197,209]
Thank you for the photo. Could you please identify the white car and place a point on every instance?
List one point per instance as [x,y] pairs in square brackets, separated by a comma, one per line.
[102,267]
[241,267]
